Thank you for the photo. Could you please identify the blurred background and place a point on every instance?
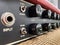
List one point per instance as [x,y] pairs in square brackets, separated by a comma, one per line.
[59,3]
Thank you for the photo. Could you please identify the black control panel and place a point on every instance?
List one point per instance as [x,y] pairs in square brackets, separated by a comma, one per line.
[21,20]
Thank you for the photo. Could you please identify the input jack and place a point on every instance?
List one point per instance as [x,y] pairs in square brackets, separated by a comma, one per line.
[8,19]
[23,9]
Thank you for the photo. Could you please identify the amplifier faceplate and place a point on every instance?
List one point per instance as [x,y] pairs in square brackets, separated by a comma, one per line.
[13,33]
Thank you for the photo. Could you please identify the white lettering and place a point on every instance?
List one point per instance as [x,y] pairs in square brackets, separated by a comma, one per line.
[7,29]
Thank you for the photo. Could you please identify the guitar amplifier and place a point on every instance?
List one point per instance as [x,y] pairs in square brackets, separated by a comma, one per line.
[21,20]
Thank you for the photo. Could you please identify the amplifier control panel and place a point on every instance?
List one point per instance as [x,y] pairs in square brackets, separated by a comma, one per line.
[21,20]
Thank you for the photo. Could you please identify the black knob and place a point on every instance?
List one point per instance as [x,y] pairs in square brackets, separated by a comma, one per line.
[49,27]
[46,27]
[53,25]
[35,11]
[57,25]
[46,14]
[59,17]
[53,15]
[32,11]
[56,17]
[35,29]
